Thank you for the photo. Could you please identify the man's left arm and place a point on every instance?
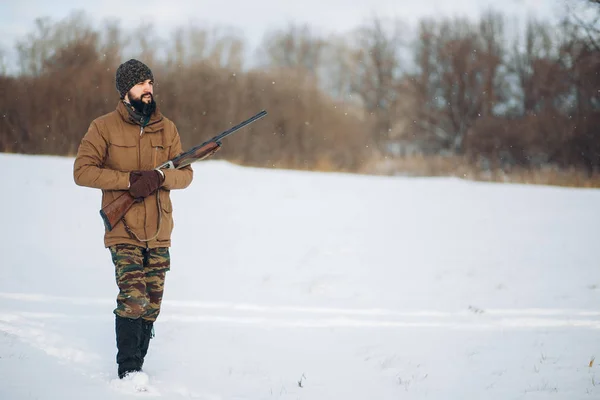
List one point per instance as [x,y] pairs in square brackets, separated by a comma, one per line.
[177,178]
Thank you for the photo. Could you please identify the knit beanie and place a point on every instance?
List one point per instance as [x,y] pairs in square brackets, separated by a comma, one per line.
[131,73]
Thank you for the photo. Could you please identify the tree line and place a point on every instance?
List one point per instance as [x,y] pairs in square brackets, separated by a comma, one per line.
[496,94]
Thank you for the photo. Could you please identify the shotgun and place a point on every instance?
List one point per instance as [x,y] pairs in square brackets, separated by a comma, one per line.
[113,212]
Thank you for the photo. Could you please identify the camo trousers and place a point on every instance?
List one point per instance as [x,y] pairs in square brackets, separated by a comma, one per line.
[140,274]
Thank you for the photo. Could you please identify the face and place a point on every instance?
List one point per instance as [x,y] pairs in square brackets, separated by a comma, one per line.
[143,91]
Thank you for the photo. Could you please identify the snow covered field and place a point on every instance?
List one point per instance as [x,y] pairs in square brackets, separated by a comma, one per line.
[295,285]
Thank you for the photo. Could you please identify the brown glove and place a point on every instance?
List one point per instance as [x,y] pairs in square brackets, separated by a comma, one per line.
[144,183]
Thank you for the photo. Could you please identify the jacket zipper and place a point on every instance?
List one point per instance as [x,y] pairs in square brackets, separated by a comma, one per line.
[139,168]
[140,148]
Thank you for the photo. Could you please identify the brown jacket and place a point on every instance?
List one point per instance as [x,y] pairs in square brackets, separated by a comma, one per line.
[114,145]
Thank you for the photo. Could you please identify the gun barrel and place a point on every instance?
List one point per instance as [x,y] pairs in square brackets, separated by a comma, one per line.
[177,160]
[240,125]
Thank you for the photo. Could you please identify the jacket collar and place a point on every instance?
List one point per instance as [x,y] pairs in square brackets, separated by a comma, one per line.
[155,123]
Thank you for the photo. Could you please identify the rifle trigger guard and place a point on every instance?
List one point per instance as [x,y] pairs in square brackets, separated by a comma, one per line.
[168,165]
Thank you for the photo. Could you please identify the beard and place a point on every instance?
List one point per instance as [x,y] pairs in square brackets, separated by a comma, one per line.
[146,109]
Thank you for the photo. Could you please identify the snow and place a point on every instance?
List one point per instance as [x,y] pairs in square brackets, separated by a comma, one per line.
[306,285]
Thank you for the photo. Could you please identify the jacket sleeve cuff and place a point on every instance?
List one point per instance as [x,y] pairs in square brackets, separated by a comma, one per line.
[123,181]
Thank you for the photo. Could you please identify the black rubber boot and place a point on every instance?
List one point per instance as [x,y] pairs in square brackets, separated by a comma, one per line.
[129,335]
[147,334]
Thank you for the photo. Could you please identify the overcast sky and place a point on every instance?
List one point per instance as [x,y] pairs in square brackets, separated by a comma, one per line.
[252,17]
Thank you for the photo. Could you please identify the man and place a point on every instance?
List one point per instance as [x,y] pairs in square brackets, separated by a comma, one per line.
[120,152]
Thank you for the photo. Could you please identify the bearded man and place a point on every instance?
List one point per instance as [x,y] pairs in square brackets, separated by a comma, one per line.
[120,152]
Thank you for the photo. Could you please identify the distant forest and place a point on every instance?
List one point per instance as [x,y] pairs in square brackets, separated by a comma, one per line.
[484,95]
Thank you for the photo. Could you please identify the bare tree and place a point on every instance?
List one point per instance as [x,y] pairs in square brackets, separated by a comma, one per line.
[580,61]
[194,45]
[580,54]
[227,51]
[493,43]
[113,43]
[584,17]
[458,76]
[339,68]
[426,105]
[535,64]
[41,45]
[35,48]
[3,68]
[378,73]
[144,44]
[295,47]
[461,82]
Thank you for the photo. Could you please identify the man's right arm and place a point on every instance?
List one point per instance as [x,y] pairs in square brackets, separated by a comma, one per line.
[88,169]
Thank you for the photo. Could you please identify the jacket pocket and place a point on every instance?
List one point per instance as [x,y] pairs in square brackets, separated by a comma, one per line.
[160,152]
[166,214]
[123,154]
[135,218]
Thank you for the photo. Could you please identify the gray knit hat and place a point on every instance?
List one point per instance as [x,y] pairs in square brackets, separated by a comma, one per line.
[131,73]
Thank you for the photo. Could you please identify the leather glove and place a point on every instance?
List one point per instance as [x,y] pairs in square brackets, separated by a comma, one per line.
[144,183]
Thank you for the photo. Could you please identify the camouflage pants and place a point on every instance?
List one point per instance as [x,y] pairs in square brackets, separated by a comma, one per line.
[140,274]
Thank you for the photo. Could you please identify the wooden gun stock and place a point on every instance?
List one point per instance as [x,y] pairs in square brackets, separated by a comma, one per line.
[115,210]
